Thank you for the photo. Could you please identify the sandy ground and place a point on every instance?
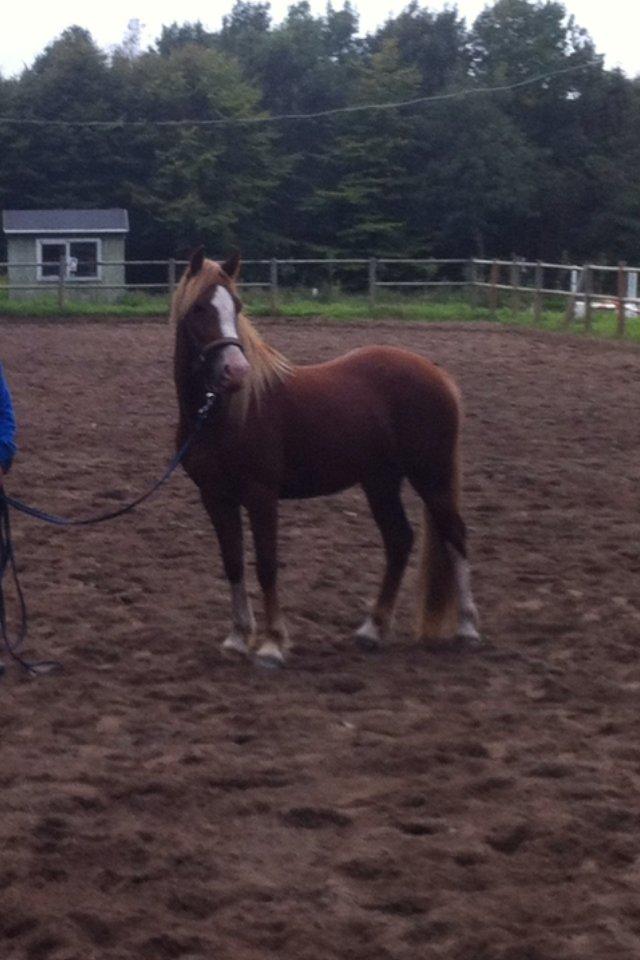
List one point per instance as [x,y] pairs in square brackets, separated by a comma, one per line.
[161,802]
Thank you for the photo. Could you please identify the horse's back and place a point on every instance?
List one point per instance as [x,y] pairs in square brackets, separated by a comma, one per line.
[375,410]
[393,382]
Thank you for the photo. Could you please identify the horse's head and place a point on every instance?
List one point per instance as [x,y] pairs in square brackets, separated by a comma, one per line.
[211,321]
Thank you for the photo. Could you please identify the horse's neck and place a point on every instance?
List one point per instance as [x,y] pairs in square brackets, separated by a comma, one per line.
[186,389]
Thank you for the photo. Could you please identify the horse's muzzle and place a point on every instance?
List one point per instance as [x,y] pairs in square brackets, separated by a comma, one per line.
[232,369]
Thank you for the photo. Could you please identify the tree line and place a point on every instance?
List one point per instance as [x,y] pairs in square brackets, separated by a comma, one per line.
[513,136]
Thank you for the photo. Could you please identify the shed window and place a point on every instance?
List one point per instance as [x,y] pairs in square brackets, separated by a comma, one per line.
[82,258]
[83,255]
[50,258]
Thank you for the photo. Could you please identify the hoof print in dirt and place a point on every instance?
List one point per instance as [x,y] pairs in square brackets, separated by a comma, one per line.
[509,838]
[315,818]
[403,907]
[346,685]
[455,646]
[419,828]
[380,867]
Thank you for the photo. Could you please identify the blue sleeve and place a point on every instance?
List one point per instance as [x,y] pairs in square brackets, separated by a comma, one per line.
[7,425]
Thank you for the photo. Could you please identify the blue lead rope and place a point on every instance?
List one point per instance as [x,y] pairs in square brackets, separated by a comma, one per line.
[7,555]
[110,514]
[8,560]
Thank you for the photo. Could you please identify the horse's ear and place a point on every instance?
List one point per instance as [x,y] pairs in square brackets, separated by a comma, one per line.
[231,266]
[195,261]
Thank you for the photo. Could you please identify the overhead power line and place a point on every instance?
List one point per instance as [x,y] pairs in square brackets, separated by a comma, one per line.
[335,111]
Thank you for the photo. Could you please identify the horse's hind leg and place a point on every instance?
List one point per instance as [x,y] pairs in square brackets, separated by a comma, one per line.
[447,604]
[469,621]
[388,512]
[227,523]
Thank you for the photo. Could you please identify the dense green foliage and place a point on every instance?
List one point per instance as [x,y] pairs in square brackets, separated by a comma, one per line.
[546,169]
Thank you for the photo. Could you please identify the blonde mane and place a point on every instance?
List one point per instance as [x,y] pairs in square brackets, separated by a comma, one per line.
[268,366]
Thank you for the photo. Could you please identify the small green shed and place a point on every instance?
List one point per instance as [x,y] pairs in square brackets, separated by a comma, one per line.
[91,243]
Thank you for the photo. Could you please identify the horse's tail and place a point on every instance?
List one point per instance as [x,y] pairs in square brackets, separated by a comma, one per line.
[443,532]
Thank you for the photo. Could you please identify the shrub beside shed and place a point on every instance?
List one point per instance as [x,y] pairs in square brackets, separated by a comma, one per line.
[89,246]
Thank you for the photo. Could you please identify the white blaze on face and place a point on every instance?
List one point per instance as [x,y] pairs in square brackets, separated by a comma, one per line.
[233,361]
[223,302]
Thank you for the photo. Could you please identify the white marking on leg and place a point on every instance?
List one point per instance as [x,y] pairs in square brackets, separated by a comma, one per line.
[243,621]
[467,610]
[235,642]
[369,634]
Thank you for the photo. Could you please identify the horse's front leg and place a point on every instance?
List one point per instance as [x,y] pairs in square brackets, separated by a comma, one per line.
[227,522]
[262,505]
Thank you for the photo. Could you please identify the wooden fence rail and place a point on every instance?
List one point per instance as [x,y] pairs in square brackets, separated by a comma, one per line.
[584,288]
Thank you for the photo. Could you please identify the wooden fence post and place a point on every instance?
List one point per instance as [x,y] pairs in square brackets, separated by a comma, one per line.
[493,290]
[471,283]
[587,286]
[330,291]
[622,298]
[632,291]
[570,304]
[372,281]
[570,310]
[514,280]
[537,296]
[171,279]
[62,276]
[273,286]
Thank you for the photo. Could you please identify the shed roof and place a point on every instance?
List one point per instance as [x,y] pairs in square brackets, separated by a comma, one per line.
[65,221]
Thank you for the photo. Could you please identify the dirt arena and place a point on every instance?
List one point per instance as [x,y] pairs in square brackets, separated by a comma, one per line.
[159,801]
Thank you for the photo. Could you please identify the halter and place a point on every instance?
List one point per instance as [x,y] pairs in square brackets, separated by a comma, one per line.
[211,348]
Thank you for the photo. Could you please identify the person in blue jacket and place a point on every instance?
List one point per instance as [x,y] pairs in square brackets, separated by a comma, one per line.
[7,427]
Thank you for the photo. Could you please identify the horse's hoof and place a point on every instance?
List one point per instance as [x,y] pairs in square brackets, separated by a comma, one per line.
[367,644]
[368,636]
[269,663]
[269,657]
[235,643]
[470,638]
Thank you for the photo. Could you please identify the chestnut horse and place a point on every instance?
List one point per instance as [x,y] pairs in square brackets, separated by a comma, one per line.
[277,431]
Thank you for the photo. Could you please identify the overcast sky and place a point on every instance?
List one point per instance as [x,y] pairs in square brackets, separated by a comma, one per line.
[27,28]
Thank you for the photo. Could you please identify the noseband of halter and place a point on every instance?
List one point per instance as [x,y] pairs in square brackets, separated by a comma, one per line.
[205,353]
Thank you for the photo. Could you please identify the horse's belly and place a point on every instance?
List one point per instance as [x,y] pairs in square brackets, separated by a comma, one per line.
[320,470]
[302,488]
